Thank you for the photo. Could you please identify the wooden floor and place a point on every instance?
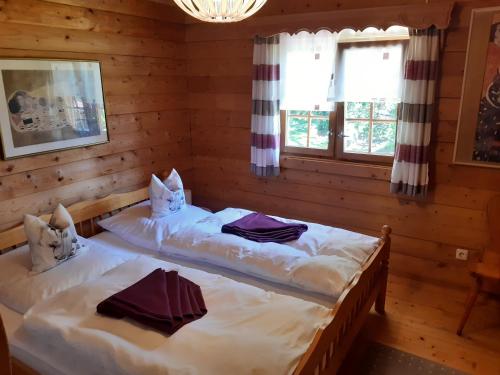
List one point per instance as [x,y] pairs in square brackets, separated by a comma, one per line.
[422,318]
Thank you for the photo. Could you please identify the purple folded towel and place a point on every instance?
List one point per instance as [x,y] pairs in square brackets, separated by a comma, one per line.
[261,228]
[162,300]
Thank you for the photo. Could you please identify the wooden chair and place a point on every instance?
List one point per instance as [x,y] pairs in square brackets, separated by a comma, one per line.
[489,267]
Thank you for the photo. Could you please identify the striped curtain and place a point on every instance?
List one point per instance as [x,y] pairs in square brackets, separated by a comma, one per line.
[265,107]
[410,173]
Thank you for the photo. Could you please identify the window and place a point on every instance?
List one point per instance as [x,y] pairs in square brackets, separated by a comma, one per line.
[357,118]
[367,130]
[307,132]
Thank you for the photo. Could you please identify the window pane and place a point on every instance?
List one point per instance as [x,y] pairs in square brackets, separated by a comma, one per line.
[320,113]
[383,138]
[298,113]
[383,110]
[320,129]
[357,110]
[371,71]
[356,136]
[296,131]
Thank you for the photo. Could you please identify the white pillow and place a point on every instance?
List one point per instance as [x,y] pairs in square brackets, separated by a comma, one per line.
[135,226]
[61,218]
[20,289]
[51,243]
[166,197]
[173,181]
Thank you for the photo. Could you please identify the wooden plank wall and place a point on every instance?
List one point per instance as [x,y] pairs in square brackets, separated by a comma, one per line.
[426,233]
[156,84]
[141,47]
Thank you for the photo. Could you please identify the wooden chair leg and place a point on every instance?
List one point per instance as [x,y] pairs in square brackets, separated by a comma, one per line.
[471,300]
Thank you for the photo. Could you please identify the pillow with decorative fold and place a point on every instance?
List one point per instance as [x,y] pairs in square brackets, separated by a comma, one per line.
[51,243]
[61,218]
[166,197]
[174,182]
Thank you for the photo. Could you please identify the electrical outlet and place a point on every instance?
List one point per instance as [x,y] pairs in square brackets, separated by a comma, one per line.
[462,254]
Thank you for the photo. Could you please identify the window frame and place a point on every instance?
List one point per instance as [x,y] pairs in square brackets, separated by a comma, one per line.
[340,107]
[340,154]
[336,137]
[307,150]
[335,149]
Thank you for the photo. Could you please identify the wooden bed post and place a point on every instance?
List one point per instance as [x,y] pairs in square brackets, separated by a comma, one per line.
[380,301]
[5,363]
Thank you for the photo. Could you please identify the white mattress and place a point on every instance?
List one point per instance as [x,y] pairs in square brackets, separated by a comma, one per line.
[21,349]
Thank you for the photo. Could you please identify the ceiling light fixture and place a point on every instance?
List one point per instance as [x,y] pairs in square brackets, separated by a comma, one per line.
[220,11]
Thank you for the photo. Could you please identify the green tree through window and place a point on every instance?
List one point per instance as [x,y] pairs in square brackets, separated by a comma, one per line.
[370,127]
[308,129]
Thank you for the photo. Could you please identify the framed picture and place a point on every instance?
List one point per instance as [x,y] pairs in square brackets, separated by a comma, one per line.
[478,133]
[49,105]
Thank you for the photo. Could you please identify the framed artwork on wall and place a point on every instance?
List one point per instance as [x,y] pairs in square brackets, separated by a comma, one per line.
[478,134]
[50,105]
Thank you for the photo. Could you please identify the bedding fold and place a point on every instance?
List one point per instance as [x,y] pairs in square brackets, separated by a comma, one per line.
[261,228]
[161,300]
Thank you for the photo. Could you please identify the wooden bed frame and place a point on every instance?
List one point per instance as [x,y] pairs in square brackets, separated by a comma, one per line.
[329,346]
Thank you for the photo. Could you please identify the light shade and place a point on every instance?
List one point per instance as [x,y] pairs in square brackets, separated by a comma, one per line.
[220,11]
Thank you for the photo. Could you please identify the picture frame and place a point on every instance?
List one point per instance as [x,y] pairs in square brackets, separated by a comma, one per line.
[50,105]
[477,141]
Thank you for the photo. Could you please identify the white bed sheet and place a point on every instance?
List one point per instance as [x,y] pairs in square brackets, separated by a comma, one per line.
[323,260]
[246,330]
[19,344]
[113,242]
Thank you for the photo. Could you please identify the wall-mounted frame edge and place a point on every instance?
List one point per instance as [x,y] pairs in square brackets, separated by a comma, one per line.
[471,163]
[103,93]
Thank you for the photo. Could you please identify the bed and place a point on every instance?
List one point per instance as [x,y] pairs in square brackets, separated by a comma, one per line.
[323,260]
[330,344]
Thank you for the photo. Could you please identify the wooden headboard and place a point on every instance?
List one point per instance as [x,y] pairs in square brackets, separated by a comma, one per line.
[84,215]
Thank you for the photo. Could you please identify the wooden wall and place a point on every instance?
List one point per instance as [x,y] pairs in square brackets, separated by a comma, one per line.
[156,84]
[141,47]
[426,233]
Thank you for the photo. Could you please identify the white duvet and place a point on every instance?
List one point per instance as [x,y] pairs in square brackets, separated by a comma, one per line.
[324,260]
[246,330]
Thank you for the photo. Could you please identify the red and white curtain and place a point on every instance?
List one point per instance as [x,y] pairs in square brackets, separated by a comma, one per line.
[410,173]
[265,149]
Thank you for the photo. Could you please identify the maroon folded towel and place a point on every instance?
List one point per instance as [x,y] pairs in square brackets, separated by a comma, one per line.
[162,300]
[261,228]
